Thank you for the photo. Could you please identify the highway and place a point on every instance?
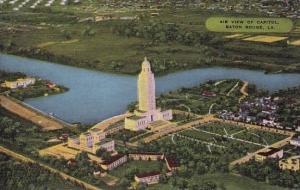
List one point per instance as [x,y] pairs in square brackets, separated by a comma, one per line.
[53,170]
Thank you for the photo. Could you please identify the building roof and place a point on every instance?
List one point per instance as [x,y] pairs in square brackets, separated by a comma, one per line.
[148,174]
[172,162]
[296,138]
[148,153]
[73,137]
[135,117]
[112,159]
[103,141]
[146,64]
[95,130]
[86,134]
[270,152]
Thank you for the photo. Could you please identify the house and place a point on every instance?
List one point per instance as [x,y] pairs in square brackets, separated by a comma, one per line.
[148,178]
[208,94]
[269,153]
[19,83]
[172,163]
[292,163]
[114,161]
[295,140]
[146,156]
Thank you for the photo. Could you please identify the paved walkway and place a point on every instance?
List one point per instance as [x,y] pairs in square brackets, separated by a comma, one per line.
[200,141]
[211,107]
[103,125]
[45,121]
[53,170]
[232,89]
[199,121]
[229,137]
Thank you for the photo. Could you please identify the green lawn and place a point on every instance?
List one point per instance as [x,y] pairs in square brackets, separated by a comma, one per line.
[138,166]
[230,181]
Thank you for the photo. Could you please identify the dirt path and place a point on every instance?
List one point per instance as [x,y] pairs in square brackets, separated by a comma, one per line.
[46,44]
[232,89]
[243,90]
[63,175]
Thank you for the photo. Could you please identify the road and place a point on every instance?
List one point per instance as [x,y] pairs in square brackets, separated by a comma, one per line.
[46,122]
[103,125]
[243,90]
[53,170]
[249,156]
[211,107]
[199,121]
[256,127]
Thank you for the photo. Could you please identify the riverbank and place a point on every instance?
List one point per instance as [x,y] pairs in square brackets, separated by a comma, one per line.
[129,69]
[114,45]
[105,95]
[46,122]
[21,87]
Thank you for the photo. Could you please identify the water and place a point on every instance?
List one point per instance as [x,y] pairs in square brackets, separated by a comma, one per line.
[94,96]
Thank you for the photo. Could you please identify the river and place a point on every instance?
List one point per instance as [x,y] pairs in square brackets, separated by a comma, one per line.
[94,95]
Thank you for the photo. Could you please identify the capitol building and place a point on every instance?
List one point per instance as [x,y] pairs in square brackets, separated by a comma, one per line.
[147,113]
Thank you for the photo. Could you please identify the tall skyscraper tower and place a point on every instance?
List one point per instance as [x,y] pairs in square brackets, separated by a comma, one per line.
[147,112]
[146,88]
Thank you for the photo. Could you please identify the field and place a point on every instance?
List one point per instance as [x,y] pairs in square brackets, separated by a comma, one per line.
[71,35]
[267,39]
[227,136]
[229,181]
[60,150]
[206,98]
[133,167]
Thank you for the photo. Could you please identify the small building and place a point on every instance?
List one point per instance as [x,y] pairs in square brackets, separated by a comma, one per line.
[146,156]
[107,144]
[295,140]
[148,178]
[292,163]
[114,162]
[208,94]
[269,153]
[19,83]
[92,141]
[172,163]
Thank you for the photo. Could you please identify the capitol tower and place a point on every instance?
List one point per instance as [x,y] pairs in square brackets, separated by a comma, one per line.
[147,112]
[146,88]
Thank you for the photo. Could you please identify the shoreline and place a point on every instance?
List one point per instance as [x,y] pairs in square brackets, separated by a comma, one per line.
[280,70]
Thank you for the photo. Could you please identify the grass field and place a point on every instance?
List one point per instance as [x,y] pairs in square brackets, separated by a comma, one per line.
[55,34]
[229,181]
[136,167]
[226,95]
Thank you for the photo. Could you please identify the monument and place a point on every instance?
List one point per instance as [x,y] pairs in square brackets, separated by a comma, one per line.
[147,112]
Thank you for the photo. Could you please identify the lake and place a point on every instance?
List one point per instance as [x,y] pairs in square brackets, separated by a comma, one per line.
[94,95]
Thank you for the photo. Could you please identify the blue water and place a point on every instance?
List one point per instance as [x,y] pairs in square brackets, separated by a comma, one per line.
[94,96]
